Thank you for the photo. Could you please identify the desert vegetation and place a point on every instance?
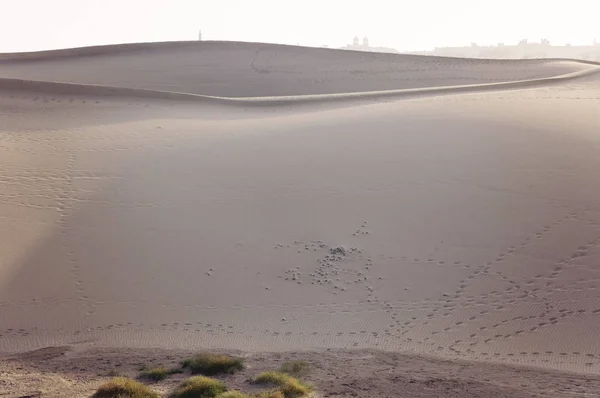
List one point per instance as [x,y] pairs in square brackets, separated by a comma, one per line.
[199,387]
[158,373]
[122,387]
[288,385]
[213,364]
[155,374]
[274,384]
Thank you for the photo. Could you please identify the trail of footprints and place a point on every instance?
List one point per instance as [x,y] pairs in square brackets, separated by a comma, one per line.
[83,99]
[446,303]
[444,306]
[332,272]
[62,206]
[338,268]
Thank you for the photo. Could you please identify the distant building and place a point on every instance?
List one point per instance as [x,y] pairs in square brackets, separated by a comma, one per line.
[365,46]
[524,49]
[200,35]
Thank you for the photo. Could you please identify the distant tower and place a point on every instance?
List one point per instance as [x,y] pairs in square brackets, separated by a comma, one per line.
[355,41]
[200,36]
[365,41]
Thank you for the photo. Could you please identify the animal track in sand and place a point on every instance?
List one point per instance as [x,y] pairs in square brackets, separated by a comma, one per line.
[332,266]
[337,263]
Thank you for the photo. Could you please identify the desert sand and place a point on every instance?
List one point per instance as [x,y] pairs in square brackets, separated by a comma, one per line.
[260,198]
[71,372]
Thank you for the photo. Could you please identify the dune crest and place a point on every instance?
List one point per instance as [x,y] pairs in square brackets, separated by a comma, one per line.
[230,69]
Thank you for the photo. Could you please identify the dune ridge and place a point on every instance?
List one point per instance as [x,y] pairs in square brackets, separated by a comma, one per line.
[44,87]
[161,46]
[249,70]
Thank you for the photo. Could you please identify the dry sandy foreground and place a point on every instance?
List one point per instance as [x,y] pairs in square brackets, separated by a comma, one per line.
[462,223]
[59,372]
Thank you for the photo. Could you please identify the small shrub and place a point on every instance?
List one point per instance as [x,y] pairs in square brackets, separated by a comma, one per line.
[295,388]
[198,387]
[295,368]
[289,386]
[155,374]
[212,364]
[276,378]
[121,387]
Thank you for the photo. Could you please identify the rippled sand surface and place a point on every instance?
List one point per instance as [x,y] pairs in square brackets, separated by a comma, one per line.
[459,222]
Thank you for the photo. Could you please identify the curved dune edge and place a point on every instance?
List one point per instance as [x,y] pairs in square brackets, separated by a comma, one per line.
[93,50]
[59,88]
[123,48]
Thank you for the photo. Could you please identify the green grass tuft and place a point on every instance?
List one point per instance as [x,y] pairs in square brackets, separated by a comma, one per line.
[277,378]
[213,364]
[289,386]
[156,374]
[121,387]
[199,387]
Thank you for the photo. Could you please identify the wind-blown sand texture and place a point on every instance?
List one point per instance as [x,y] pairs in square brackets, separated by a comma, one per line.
[462,222]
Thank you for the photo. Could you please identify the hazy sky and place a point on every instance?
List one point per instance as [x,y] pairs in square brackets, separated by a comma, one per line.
[406,25]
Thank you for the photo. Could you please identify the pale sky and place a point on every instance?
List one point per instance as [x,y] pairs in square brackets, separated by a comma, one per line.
[29,25]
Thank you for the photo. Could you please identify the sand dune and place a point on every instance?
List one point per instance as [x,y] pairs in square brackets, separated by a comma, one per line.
[53,88]
[465,225]
[229,69]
